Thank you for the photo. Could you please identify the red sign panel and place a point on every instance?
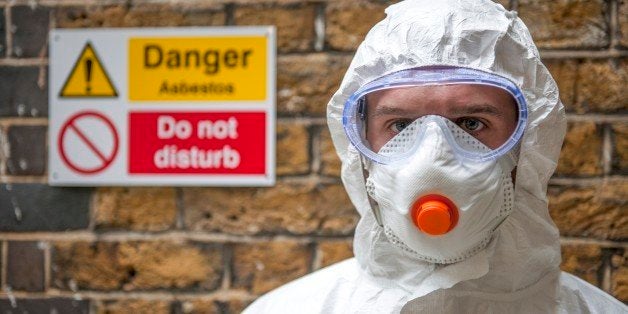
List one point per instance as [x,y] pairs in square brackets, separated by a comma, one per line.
[197,142]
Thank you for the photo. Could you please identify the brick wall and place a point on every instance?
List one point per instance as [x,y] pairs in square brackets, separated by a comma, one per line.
[214,250]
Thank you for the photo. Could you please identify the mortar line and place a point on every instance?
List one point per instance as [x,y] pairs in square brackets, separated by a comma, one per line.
[91,225]
[319,27]
[315,263]
[303,120]
[4,151]
[219,295]
[179,205]
[314,149]
[583,54]
[9,32]
[47,265]
[174,236]
[4,257]
[599,242]
[20,121]
[227,251]
[607,149]
[68,3]
[310,179]
[613,24]
[587,182]
[599,118]
[24,62]
[606,272]
[9,179]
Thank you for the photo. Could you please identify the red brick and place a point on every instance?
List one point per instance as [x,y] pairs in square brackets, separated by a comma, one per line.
[582,260]
[295,23]
[564,72]
[601,86]
[566,23]
[619,276]
[200,306]
[331,252]
[581,153]
[623,23]
[597,211]
[150,209]
[292,149]
[330,162]
[307,208]
[344,31]
[136,266]
[213,306]
[141,15]
[305,83]
[134,307]
[87,265]
[620,139]
[261,267]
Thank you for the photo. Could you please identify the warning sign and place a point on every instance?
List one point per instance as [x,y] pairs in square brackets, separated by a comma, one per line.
[162,106]
[88,77]
[198,68]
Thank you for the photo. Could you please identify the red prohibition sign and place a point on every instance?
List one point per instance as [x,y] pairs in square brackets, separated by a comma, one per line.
[105,159]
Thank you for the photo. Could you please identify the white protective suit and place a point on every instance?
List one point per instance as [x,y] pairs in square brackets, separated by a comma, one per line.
[518,271]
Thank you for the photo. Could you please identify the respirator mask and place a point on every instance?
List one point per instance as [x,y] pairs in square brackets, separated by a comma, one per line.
[438,146]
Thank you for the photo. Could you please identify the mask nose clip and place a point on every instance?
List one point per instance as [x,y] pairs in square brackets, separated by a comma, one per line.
[434,214]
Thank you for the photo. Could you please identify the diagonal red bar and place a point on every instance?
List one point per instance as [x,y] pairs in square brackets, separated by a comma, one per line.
[88,143]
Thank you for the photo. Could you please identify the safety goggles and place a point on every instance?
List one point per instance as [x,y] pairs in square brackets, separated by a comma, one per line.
[372,123]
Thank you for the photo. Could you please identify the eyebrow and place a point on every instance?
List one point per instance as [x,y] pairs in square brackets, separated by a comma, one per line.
[386,110]
[477,108]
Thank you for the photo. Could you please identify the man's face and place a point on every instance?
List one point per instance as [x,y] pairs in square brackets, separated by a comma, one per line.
[487,113]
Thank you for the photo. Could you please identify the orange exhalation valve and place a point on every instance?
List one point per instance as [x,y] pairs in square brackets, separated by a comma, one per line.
[434,214]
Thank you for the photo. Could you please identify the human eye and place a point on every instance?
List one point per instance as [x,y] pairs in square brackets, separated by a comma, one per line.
[397,126]
[471,125]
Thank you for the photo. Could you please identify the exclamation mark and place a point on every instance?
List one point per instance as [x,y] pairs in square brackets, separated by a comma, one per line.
[88,76]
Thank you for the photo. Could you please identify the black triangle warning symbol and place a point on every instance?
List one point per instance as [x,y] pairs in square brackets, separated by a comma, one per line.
[88,77]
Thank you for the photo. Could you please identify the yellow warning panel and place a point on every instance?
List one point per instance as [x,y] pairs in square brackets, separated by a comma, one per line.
[88,77]
[198,68]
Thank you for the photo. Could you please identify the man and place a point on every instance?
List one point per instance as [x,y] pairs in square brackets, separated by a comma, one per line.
[449,128]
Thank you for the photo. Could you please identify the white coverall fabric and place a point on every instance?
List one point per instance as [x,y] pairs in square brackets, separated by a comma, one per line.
[518,272]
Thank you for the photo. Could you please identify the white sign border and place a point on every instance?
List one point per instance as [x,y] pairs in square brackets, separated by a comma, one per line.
[126,179]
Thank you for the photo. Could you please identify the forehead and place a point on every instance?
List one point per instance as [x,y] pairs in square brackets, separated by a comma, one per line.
[443,98]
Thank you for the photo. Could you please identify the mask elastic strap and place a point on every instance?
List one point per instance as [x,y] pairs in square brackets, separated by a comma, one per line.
[510,160]
[374,206]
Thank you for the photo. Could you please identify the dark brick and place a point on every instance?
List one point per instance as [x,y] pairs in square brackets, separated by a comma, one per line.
[20,95]
[3,34]
[53,305]
[25,266]
[27,150]
[30,26]
[38,207]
